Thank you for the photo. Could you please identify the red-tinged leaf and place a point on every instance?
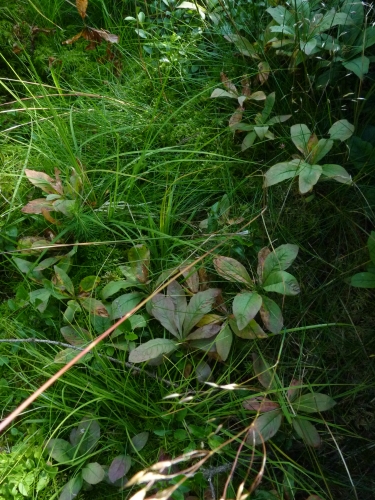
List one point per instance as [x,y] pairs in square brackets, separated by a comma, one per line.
[205,332]
[236,117]
[163,309]
[264,373]
[93,473]
[73,39]
[312,142]
[232,270]
[200,304]
[63,280]
[245,306]
[191,278]
[251,330]
[47,215]
[224,341]
[227,83]
[264,427]
[119,467]
[262,254]
[94,306]
[313,402]
[82,7]
[139,259]
[151,350]
[177,294]
[139,440]
[76,336]
[271,315]
[37,206]
[294,389]
[307,431]
[260,404]
[41,180]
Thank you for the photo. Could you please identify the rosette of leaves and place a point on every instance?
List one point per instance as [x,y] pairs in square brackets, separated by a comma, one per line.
[83,441]
[260,129]
[59,198]
[306,168]
[284,402]
[242,97]
[185,321]
[272,277]
[366,279]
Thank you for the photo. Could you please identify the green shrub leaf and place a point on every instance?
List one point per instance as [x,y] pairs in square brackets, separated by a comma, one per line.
[306,431]
[151,350]
[363,280]
[313,402]
[281,172]
[281,282]
[245,307]
[200,304]
[341,130]
[139,440]
[60,450]
[232,270]
[264,427]
[124,304]
[279,259]
[224,341]
[300,135]
[271,315]
[72,488]
[93,473]
[163,309]
[264,373]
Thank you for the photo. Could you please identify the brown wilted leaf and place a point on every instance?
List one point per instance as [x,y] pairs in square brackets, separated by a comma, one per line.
[264,72]
[236,117]
[293,392]
[94,36]
[82,7]
[41,180]
[246,87]
[312,142]
[228,84]
[16,48]
[260,404]
[47,215]
[262,254]
[191,278]
[73,39]
[37,206]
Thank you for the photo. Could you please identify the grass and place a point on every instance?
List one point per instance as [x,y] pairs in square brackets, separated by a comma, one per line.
[155,154]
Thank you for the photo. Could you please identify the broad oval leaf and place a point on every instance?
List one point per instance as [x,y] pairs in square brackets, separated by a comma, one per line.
[200,304]
[93,473]
[281,172]
[68,354]
[87,435]
[245,307]
[308,176]
[151,350]
[191,278]
[264,427]
[139,259]
[363,280]
[300,135]
[177,294]
[72,488]
[281,282]
[264,372]
[249,140]
[223,93]
[64,280]
[95,307]
[360,67]
[203,372]
[251,331]
[337,173]
[232,270]
[163,309]
[294,389]
[60,450]
[341,130]
[204,332]
[41,180]
[115,286]
[271,315]
[124,304]
[224,342]
[260,404]
[119,467]
[279,260]
[322,148]
[139,440]
[89,283]
[313,402]
[306,431]
[76,335]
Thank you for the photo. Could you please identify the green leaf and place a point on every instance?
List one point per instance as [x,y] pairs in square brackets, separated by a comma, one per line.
[341,130]
[278,119]
[72,488]
[271,315]
[308,46]
[203,372]
[268,106]
[40,298]
[93,473]
[163,309]
[261,131]
[66,207]
[281,172]
[178,297]
[281,15]
[205,332]
[124,304]
[306,431]
[94,306]
[300,135]
[46,263]
[248,140]
[242,45]
[223,93]
[264,373]
[313,402]
[224,341]
[264,427]
[363,280]
[76,335]
[89,283]
[60,450]
[86,436]
[232,270]
[23,265]
[245,307]
[369,37]
[337,173]
[322,148]
[200,304]
[151,350]
[251,331]
[119,467]
[68,354]
[281,282]
[308,176]
[371,246]
[115,286]
[64,280]
[279,260]
[139,441]
[359,66]
[139,259]
[70,311]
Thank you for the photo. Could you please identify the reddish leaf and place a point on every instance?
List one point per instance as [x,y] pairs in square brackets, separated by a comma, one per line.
[139,258]
[204,332]
[82,7]
[119,467]
[163,309]
[246,87]
[260,404]
[307,431]
[312,142]
[37,206]
[73,39]
[271,315]
[293,392]
[177,294]
[264,373]
[228,84]
[232,270]
[264,427]
[41,180]
[245,306]
[236,117]
[46,214]
[75,336]
[264,72]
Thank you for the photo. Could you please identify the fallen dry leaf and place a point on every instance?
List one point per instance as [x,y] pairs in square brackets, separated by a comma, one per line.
[82,7]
